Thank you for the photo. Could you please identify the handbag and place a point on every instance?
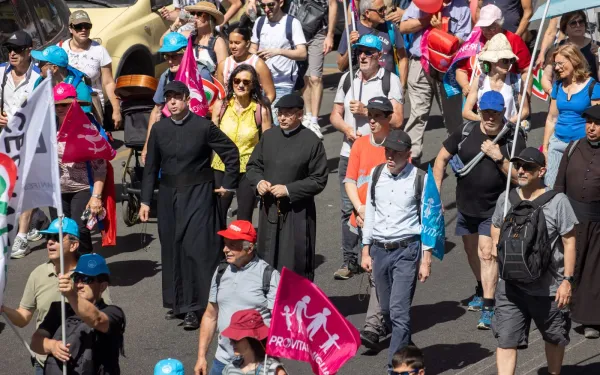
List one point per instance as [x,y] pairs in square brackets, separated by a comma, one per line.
[311,16]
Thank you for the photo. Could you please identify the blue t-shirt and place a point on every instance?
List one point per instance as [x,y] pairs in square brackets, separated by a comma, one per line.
[570,125]
[166,77]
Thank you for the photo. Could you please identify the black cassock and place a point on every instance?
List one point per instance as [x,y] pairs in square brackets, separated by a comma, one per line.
[287,227]
[187,207]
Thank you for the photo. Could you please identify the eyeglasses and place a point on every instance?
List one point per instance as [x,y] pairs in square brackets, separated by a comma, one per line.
[15,49]
[246,82]
[527,167]
[505,61]
[81,26]
[559,64]
[270,5]
[172,56]
[380,11]
[576,23]
[413,371]
[366,52]
[79,278]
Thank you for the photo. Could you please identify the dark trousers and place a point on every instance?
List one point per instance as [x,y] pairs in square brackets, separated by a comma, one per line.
[395,273]
[349,239]
[246,198]
[73,206]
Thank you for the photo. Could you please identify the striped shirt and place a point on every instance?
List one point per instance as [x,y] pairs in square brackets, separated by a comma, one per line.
[272,366]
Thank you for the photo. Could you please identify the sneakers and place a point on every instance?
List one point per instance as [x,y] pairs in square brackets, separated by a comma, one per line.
[20,248]
[485,322]
[315,129]
[370,340]
[476,303]
[34,235]
[344,273]
[591,332]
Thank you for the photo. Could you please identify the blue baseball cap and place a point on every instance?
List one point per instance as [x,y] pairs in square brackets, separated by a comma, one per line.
[69,227]
[169,366]
[92,265]
[369,41]
[53,55]
[491,100]
[173,42]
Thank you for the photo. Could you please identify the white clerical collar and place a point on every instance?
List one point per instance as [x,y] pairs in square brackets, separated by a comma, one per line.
[288,132]
[179,122]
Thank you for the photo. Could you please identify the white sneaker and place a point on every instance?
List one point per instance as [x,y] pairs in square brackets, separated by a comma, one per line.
[34,235]
[306,121]
[315,129]
[20,248]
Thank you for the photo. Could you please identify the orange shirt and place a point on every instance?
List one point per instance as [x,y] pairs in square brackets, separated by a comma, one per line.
[364,156]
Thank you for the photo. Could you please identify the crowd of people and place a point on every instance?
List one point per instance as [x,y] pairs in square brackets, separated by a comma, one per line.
[262,145]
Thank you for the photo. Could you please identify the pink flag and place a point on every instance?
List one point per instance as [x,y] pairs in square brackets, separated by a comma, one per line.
[305,326]
[83,141]
[189,74]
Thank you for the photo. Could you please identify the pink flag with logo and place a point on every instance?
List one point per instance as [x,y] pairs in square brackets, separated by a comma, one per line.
[189,74]
[83,141]
[307,327]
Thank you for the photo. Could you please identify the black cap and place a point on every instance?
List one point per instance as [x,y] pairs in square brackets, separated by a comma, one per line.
[290,101]
[398,140]
[531,155]
[381,103]
[178,87]
[19,39]
[592,112]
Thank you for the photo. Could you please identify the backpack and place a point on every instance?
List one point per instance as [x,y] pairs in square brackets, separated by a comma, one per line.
[385,83]
[524,247]
[312,16]
[418,186]
[302,65]
[266,281]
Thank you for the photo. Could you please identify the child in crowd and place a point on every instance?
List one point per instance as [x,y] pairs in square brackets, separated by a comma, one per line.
[408,361]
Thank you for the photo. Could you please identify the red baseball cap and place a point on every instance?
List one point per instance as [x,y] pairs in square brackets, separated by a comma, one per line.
[239,230]
[246,323]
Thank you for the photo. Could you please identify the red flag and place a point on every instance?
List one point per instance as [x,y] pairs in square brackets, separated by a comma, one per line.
[307,327]
[189,74]
[83,141]
[109,224]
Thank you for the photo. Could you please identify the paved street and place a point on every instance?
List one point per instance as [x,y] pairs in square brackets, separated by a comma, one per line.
[441,324]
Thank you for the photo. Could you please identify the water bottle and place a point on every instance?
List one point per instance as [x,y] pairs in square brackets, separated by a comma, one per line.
[252,14]
[185,17]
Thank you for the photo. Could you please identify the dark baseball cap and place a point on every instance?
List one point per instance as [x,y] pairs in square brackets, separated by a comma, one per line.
[491,100]
[79,16]
[19,39]
[398,140]
[592,112]
[530,155]
[381,103]
[290,101]
[177,87]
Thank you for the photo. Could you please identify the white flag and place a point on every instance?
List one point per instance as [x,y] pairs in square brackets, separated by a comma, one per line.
[28,153]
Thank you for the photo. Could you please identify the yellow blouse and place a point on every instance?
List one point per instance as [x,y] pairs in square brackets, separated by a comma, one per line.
[242,130]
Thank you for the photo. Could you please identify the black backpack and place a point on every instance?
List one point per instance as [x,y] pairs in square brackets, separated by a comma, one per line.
[266,282]
[524,247]
[418,186]
[302,65]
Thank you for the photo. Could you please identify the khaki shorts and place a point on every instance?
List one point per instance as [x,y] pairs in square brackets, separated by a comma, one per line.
[316,57]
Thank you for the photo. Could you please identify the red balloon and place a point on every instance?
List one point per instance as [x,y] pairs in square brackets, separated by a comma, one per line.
[429,6]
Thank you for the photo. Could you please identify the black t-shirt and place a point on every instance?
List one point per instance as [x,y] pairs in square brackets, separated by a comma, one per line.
[512,11]
[92,352]
[477,192]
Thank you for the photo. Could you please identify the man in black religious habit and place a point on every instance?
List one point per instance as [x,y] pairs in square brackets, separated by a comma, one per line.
[288,168]
[181,147]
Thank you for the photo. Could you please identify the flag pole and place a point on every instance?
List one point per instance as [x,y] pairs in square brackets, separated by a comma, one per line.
[350,70]
[520,114]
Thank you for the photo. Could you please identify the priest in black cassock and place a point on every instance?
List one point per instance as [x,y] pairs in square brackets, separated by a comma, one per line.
[181,147]
[288,168]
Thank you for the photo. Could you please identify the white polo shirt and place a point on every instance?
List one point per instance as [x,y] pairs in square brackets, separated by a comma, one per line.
[14,95]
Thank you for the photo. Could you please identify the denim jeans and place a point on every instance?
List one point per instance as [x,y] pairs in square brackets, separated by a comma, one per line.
[279,93]
[349,239]
[217,368]
[38,369]
[395,273]
[556,149]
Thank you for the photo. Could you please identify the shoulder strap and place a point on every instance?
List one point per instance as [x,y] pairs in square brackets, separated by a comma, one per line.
[571,149]
[591,88]
[222,111]
[419,183]
[266,283]
[288,31]
[258,117]
[4,79]
[259,25]
[467,129]
[220,271]
[376,175]
[514,198]
[385,82]
[544,198]
[346,85]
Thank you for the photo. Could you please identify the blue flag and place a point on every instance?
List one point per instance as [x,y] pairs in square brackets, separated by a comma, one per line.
[433,228]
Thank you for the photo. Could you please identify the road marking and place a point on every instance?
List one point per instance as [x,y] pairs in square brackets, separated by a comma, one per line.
[544,356]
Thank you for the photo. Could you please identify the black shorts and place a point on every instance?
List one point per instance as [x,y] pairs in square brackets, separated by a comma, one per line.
[514,312]
[466,225]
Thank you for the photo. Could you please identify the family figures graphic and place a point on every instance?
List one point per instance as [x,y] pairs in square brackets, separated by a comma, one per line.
[319,320]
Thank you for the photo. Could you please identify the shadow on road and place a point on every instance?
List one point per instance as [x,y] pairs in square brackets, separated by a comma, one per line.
[592,368]
[351,305]
[127,244]
[131,272]
[453,357]
[332,164]
[424,317]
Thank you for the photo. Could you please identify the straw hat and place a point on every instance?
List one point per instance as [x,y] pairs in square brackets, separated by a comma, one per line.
[206,7]
[497,48]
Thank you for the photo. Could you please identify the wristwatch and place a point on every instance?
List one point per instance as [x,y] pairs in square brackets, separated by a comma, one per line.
[570,279]
[98,196]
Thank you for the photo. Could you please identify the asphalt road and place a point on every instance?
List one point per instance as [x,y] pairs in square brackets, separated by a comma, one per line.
[441,324]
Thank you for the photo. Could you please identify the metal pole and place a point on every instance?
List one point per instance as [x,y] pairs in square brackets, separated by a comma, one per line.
[350,70]
[523,98]
[63,328]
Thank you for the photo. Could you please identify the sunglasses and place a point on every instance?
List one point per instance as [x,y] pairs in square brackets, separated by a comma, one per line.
[414,371]
[81,26]
[172,56]
[15,49]
[237,81]
[270,5]
[527,167]
[197,14]
[505,61]
[576,23]
[79,278]
[366,52]
[380,11]
[53,237]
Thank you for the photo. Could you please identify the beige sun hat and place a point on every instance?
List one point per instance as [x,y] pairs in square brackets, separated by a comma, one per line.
[497,48]
[207,7]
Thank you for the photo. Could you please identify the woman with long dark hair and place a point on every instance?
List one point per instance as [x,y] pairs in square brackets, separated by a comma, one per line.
[239,45]
[242,116]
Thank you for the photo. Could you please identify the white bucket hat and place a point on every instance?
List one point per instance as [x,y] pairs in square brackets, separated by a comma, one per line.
[497,48]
